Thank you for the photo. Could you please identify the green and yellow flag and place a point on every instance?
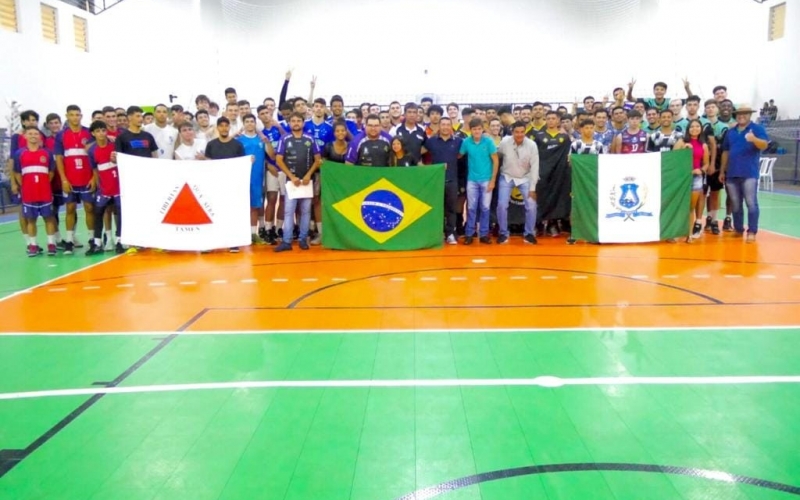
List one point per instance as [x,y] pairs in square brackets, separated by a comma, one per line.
[382,208]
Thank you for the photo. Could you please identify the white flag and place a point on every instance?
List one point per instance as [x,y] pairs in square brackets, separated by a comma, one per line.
[185,205]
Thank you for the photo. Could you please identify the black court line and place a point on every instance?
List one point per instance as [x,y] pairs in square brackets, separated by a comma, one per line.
[11,458]
[415,257]
[456,484]
[297,301]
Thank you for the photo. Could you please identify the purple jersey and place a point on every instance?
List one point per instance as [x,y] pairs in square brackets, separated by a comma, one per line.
[633,143]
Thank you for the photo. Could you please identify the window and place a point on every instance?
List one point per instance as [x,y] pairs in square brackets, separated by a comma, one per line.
[8,14]
[777,21]
[49,23]
[81,40]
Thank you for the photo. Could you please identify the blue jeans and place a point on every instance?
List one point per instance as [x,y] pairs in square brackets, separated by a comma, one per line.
[476,194]
[288,222]
[741,189]
[504,189]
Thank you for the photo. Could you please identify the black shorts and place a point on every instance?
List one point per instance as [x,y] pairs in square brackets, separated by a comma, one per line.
[713,183]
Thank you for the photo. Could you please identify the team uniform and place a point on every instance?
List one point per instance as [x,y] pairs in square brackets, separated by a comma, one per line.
[605,137]
[415,139]
[633,143]
[650,102]
[107,189]
[720,130]
[275,184]
[254,147]
[56,184]
[554,186]
[322,133]
[594,147]
[659,141]
[651,130]
[36,194]
[369,152]
[298,155]
[71,146]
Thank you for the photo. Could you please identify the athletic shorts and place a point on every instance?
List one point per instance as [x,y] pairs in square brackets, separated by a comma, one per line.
[697,182]
[276,184]
[33,210]
[58,200]
[15,199]
[317,185]
[79,194]
[256,193]
[103,201]
[713,183]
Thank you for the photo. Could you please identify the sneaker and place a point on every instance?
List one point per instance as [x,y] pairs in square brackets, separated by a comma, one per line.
[94,249]
[316,240]
[51,250]
[118,249]
[529,238]
[279,233]
[62,244]
[69,248]
[77,244]
[552,230]
[108,246]
[262,233]
[468,240]
[255,240]
[502,239]
[727,225]
[571,240]
[233,249]
[32,251]
[697,230]
[709,222]
[486,240]
[285,246]
[39,249]
[451,240]
[715,228]
[304,244]
[751,238]
[104,240]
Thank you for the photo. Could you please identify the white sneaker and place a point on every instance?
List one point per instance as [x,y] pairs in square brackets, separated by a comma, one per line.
[316,240]
[109,246]
[451,240]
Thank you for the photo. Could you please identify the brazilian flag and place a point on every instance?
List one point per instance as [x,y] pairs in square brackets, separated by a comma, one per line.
[382,208]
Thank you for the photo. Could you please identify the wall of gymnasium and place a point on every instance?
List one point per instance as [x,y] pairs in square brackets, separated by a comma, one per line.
[775,62]
[141,51]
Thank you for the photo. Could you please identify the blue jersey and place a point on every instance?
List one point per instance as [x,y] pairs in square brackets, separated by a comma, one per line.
[254,147]
[322,133]
[273,134]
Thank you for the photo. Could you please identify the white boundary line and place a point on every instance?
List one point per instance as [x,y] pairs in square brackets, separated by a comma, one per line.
[45,283]
[617,329]
[780,234]
[542,381]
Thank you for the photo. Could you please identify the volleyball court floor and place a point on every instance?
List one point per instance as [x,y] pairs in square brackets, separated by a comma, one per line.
[624,372]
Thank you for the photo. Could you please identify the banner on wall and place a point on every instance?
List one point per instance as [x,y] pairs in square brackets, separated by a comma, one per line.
[185,205]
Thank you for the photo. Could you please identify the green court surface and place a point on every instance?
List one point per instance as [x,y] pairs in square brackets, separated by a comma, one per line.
[456,415]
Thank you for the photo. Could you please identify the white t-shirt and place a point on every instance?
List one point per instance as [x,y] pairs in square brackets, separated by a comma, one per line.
[186,152]
[165,139]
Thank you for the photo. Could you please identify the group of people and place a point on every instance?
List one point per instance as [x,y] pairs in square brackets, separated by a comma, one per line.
[488,151]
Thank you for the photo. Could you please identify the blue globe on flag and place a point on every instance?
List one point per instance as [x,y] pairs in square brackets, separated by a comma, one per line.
[382,211]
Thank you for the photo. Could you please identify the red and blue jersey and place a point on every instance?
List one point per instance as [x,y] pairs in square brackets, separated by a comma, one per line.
[72,146]
[634,143]
[107,172]
[50,146]
[35,167]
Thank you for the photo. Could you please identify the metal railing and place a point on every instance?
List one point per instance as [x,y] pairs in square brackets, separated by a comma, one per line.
[93,6]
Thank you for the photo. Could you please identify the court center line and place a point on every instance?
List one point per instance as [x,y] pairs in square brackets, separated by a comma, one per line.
[378,331]
[549,382]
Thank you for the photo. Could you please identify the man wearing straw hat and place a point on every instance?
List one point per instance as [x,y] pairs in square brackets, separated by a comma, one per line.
[741,155]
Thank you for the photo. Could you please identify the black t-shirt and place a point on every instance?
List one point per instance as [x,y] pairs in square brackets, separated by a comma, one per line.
[405,161]
[218,150]
[373,153]
[415,139]
[298,153]
[136,144]
[329,153]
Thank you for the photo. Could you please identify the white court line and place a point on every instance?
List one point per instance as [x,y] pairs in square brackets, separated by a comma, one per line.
[615,329]
[91,288]
[733,276]
[338,279]
[580,277]
[125,285]
[250,280]
[186,283]
[542,381]
[701,276]
[45,283]
[639,276]
[56,289]
[397,279]
[279,280]
[517,278]
[458,278]
[488,278]
[479,261]
[157,283]
[780,234]
[549,277]
[766,276]
[219,282]
[428,278]
[309,280]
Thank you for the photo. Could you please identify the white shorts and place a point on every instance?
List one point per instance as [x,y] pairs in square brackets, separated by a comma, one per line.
[276,184]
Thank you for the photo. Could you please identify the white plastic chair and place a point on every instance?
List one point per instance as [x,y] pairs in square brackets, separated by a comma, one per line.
[765,174]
